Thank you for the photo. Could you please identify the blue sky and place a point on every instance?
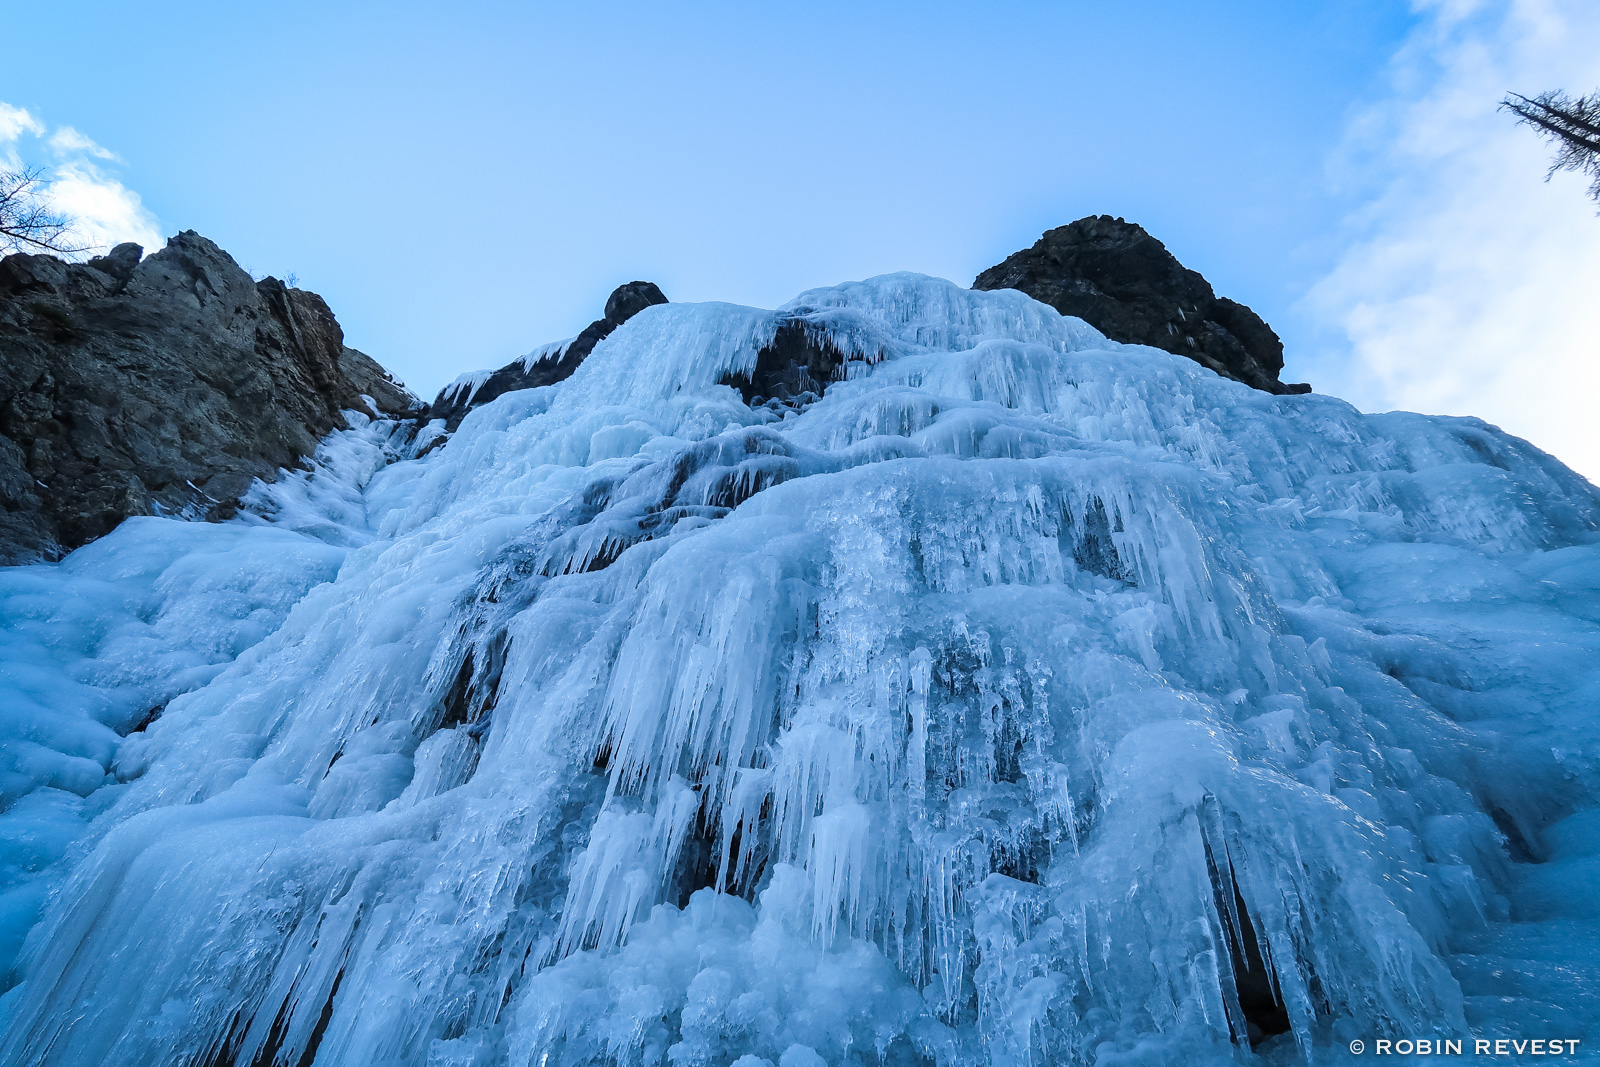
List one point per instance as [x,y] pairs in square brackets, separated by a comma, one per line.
[464,182]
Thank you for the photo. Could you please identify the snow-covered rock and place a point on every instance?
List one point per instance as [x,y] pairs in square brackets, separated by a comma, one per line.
[545,365]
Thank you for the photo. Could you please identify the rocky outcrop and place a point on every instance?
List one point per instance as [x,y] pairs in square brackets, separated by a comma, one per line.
[1124,283]
[545,366]
[134,385]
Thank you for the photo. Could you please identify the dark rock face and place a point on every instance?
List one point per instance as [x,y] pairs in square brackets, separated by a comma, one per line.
[1124,283]
[625,301]
[135,386]
[628,300]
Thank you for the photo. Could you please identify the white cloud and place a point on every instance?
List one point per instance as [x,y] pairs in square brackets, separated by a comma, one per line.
[69,141]
[1470,285]
[14,122]
[104,211]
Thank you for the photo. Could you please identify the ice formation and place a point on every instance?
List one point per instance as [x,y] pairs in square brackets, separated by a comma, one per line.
[466,386]
[1026,699]
[551,352]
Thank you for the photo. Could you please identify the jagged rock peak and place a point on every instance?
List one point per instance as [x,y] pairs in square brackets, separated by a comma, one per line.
[543,366]
[1115,276]
[161,384]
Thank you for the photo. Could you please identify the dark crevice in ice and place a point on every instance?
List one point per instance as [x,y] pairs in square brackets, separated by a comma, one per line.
[309,1056]
[148,718]
[1094,549]
[697,868]
[1518,846]
[473,694]
[1263,1014]
[794,369]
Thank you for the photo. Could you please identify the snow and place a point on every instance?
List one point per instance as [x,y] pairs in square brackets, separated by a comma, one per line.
[1028,699]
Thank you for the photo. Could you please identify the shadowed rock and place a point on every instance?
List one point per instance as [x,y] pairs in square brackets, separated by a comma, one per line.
[135,385]
[1124,283]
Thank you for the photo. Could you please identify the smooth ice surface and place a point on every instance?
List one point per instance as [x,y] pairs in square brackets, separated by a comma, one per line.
[1028,699]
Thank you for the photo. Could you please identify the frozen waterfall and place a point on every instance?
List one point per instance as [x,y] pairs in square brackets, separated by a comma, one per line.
[1026,699]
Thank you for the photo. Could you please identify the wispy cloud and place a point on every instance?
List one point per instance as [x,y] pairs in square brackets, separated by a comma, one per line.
[1469,284]
[69,142]
[104,211]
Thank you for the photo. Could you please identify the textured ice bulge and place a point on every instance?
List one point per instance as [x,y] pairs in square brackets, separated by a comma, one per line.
[1026,699]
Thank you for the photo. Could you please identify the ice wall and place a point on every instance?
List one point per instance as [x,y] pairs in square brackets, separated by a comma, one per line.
[1026,699]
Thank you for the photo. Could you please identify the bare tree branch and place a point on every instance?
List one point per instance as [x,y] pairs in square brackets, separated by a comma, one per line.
[28,222]
[1579,114]
[1573,124]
